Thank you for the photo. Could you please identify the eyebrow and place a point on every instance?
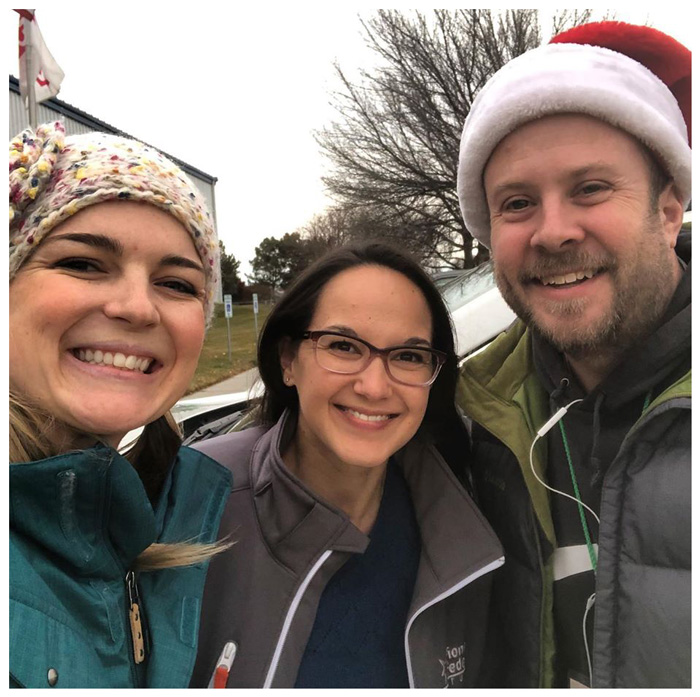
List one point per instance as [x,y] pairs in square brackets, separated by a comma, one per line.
[114,246]
[184,262]
[593,167]
[92,240]
[412,341]
[508,186]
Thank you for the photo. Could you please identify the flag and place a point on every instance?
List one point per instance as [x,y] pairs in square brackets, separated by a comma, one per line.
[47,73]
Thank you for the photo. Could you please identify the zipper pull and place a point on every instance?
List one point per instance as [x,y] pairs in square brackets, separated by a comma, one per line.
[223,666]
[144,619]
[137,638]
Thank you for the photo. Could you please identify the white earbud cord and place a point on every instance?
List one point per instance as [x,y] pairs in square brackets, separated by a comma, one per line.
[589,605]
[540,433]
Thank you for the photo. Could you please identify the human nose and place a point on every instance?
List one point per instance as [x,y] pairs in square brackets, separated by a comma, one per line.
[373,380]
[556,227]
[132,301]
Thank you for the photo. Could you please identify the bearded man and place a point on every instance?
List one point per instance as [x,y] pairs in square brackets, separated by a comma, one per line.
[575,170]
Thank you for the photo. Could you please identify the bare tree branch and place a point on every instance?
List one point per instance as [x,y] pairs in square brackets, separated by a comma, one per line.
[395,144]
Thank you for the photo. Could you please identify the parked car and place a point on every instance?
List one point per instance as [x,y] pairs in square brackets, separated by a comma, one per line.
[442,278]
[479,314]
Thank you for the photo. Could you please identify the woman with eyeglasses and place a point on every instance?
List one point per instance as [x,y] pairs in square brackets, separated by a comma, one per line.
[359,559]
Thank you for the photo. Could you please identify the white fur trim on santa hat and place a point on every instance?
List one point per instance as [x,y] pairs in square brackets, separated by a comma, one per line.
[568,78]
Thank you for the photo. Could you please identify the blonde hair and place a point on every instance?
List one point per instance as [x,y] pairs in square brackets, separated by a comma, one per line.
[152,455]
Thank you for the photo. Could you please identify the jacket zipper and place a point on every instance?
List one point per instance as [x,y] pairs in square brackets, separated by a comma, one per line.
[540,558]
[451,591]
[290,616]
[137,625]
[219,677]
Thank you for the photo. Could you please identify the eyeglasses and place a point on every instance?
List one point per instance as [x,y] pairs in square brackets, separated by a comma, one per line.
[347,355]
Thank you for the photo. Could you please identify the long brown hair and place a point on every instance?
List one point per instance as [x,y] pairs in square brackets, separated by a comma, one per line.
[293,313]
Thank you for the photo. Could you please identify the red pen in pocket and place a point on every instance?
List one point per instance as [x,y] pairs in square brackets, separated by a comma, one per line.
[223,666]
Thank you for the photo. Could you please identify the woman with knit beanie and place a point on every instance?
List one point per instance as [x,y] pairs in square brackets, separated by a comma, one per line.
[112,277]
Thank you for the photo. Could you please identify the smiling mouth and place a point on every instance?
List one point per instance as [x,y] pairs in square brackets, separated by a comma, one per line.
[371,418]
[568,279]
[114,359]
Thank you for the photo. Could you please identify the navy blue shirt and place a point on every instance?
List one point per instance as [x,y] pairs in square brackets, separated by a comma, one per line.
[358,636]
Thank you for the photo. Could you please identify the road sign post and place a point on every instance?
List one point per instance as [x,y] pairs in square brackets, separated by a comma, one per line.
[255,314]
[228,310]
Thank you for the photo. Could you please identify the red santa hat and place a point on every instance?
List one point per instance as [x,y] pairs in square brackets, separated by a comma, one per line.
[635,78]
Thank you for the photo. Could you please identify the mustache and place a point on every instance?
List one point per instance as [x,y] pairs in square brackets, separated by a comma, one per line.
[548,264]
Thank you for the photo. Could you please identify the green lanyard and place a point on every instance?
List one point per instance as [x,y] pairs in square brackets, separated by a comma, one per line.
[582,515]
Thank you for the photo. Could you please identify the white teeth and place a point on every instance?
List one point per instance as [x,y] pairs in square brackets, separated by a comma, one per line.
[119,360]
[368,417]
[567,278]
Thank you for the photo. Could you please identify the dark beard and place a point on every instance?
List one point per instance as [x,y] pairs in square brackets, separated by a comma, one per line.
[580,345]
[638,304]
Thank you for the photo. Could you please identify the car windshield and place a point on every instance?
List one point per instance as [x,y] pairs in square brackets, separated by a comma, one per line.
[468,285]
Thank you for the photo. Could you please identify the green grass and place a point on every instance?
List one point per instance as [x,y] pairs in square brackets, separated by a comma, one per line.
[214,364]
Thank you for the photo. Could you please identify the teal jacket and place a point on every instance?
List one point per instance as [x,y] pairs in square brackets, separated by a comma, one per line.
[77,522]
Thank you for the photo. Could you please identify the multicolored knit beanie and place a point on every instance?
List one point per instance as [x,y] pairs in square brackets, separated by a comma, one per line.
[53,177]
[633,77]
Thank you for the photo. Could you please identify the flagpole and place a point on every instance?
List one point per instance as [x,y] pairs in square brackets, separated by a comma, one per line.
[31,75]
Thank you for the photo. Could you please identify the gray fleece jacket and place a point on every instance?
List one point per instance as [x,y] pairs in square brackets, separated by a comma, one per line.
[263,592]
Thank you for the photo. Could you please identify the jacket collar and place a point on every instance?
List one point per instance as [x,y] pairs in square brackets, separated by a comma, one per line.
[457,542]
[88,508]
[295,520]
[499,389]
[298,525]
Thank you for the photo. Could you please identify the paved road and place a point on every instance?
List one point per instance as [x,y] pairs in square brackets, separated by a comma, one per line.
[238,383]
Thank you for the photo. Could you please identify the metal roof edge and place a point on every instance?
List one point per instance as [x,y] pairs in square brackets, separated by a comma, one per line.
[98,125]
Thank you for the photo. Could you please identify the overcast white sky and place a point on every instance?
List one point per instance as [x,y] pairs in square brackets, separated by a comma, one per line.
[236,93]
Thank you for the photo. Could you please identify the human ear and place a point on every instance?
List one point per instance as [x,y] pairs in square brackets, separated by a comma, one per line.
[287,354]
[671,211]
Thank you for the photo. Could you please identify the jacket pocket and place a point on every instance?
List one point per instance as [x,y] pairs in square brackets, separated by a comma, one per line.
[46,652]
